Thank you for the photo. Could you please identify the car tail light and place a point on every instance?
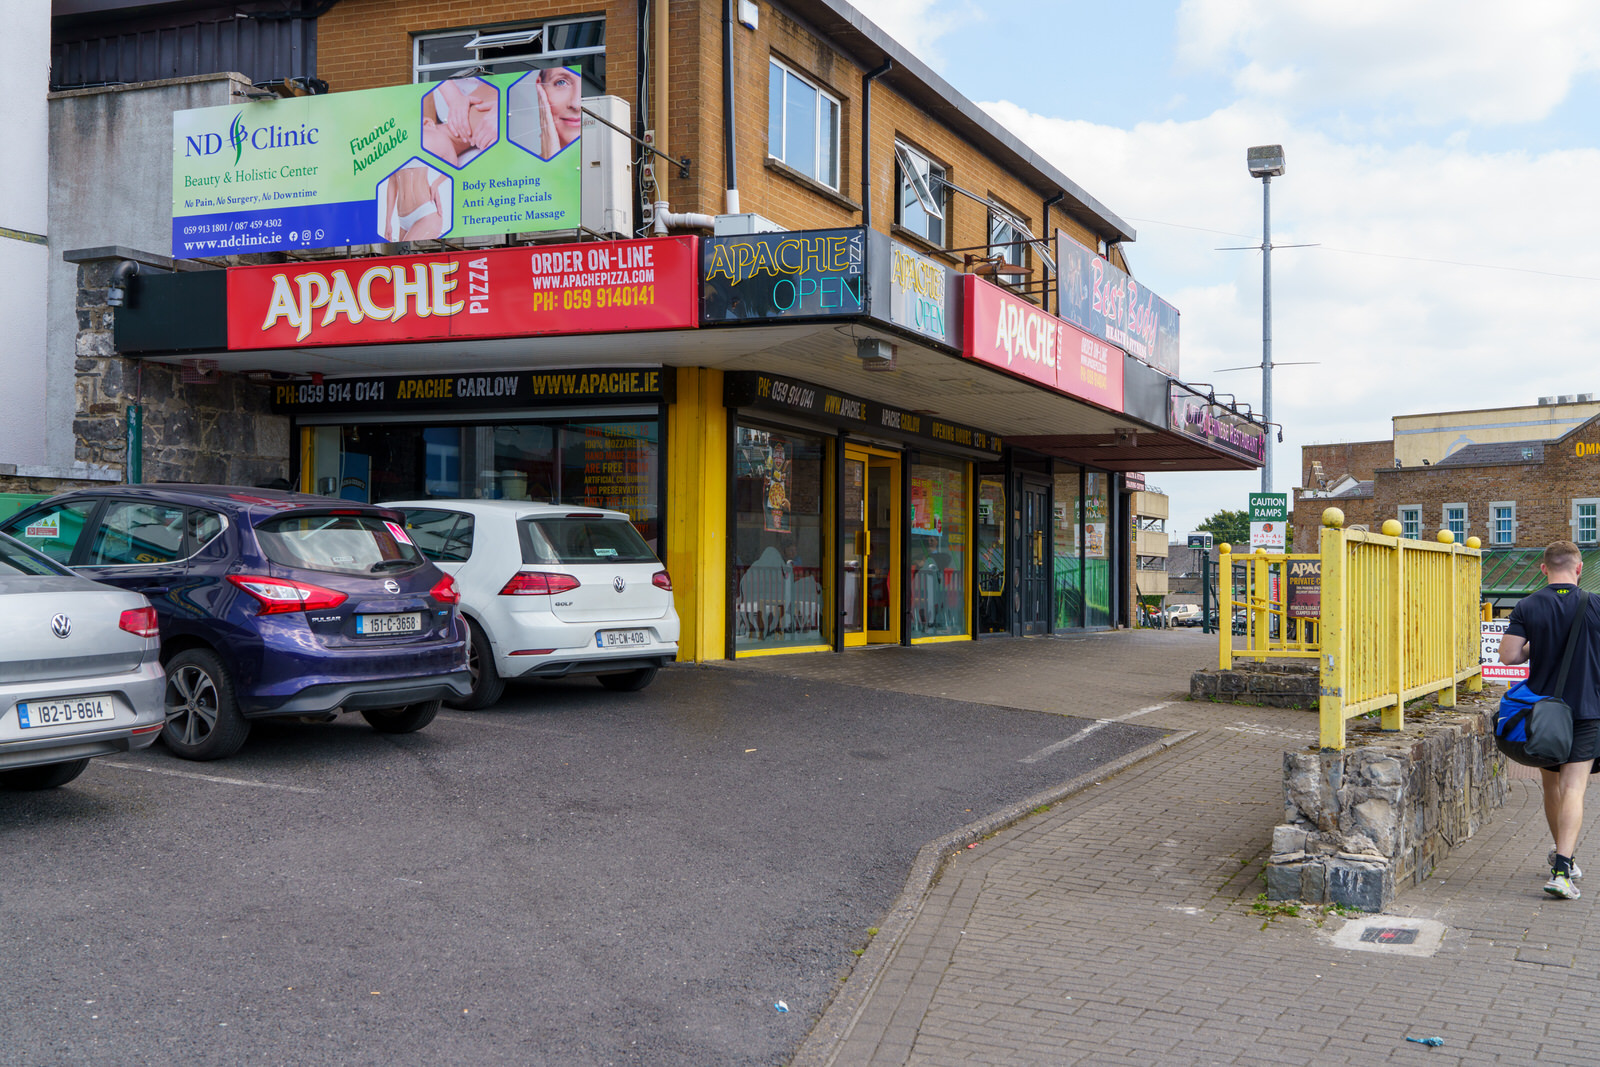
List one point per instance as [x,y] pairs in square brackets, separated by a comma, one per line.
[141,622]
[538,583]
[279,595]
[445,591]
[661,580]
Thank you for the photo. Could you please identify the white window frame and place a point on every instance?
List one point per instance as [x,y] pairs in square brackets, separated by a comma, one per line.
[1466,521]
[1494,523]
[1411,517]
[1015,250]
[931,192]
[776,151]
[427,72]
[1577,529]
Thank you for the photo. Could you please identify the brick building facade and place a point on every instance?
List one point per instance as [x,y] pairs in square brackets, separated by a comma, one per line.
[1510,495]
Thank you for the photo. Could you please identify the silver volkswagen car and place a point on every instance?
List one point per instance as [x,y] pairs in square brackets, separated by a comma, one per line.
[80,670]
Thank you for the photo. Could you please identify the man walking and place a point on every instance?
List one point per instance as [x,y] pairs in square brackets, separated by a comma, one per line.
[1538,632]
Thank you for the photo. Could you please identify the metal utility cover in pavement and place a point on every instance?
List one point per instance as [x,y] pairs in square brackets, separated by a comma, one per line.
[1392,934]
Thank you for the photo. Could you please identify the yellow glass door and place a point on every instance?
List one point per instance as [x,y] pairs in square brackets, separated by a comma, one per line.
[869,542]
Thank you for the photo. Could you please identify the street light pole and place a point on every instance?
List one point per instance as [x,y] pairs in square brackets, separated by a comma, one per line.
[1266,162]
[1266,328]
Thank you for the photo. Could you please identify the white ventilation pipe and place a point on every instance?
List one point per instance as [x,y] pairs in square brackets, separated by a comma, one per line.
[665,218]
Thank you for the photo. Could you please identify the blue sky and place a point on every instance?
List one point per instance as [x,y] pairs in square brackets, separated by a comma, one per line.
[1445,154]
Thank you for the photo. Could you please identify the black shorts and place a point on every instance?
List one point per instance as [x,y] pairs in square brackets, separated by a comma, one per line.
[1586,743]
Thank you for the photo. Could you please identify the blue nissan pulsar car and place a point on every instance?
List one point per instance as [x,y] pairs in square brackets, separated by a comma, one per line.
[271,604]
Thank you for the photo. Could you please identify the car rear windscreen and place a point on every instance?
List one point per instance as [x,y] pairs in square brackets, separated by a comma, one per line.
[582,540]
[17,558]
[344,544]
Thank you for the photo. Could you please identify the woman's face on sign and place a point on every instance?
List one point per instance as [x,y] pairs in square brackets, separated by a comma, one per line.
[564,90]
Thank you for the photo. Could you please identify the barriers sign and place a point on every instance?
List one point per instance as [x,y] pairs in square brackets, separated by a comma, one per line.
[1493,669]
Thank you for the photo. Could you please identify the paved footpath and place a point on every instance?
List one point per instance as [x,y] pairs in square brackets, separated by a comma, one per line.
[1117,927]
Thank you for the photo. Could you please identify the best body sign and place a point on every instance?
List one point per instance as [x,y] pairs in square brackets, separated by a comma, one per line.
[595,287]
[486,155]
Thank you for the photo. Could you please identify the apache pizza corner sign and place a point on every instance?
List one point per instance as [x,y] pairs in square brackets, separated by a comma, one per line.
[411,162]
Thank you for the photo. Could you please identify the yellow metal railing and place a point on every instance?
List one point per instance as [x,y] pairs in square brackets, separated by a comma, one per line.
[1257,607]
[1400,619]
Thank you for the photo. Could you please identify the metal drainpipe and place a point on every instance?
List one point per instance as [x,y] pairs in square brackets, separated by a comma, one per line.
[1044,235]
[866,137]
[729,163]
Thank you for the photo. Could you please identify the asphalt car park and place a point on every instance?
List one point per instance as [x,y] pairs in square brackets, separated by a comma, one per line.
[574,876]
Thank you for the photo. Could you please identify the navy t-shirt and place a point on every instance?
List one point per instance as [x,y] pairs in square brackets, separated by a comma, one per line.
[1543,619]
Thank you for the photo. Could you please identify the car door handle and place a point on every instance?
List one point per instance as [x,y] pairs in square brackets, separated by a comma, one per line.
[154,590]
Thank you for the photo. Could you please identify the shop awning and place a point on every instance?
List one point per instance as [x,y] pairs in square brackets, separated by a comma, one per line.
[1511,574]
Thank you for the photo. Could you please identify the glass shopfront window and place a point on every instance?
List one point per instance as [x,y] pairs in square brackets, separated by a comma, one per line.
[990,563]
[1067,553]
[1096,549]
[596,464]
[939,523]
[778,545]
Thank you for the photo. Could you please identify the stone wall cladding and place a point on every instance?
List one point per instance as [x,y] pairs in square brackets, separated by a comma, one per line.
[223,433]
[1362,824]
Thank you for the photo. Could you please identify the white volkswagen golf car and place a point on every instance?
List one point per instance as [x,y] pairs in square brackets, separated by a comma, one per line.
[549,590]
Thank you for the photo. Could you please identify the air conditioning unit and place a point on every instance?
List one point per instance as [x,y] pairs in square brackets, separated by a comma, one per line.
[607,168]
[1566,399]
[1546,401]
[735,225]
[1585,398]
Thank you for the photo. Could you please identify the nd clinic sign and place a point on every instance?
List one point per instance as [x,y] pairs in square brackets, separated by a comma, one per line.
[1013,335]
[594,287]
[494,154]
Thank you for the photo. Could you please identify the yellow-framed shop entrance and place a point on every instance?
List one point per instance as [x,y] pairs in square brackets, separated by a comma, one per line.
[869,504]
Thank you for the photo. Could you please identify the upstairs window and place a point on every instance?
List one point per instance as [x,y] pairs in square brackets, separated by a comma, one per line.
[512,49]
[1007,240]
[1504,523]
[1411,523]
[922,198]
[802,125]
[1455,520]
[1586,521]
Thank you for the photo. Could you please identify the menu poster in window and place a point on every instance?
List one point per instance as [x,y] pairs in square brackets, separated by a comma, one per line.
[1094,538]
[927,507]
[775,482]
[991,561]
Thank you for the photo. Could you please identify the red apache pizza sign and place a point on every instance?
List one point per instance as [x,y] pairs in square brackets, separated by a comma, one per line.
[598,287]
[1007,332]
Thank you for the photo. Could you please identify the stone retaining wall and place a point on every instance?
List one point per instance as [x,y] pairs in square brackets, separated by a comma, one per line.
[1364,823]
[1280,684]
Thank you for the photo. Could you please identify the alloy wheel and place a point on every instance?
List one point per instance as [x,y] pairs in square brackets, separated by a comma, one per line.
[191,703]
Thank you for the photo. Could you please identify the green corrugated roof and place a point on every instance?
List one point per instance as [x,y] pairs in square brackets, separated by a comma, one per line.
[1515,572]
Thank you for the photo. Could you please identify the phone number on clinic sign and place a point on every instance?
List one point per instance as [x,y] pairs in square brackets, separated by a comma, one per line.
[597,287]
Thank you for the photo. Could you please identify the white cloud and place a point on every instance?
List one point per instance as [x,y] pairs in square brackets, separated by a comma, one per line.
[1428,61]
[1392,335]
[919,24]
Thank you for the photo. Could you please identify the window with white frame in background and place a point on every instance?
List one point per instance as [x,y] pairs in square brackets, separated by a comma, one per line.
[1007,241]
[1411,522]
[1586,521]
[1455,520]
[921,197]
[1503,522]
[802,125]
[577,43]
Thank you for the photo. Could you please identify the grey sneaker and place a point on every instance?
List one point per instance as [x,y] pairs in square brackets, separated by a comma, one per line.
[1550,861]
[1560,885]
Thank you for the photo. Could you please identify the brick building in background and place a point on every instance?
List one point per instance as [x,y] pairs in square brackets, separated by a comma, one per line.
[1515,495]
